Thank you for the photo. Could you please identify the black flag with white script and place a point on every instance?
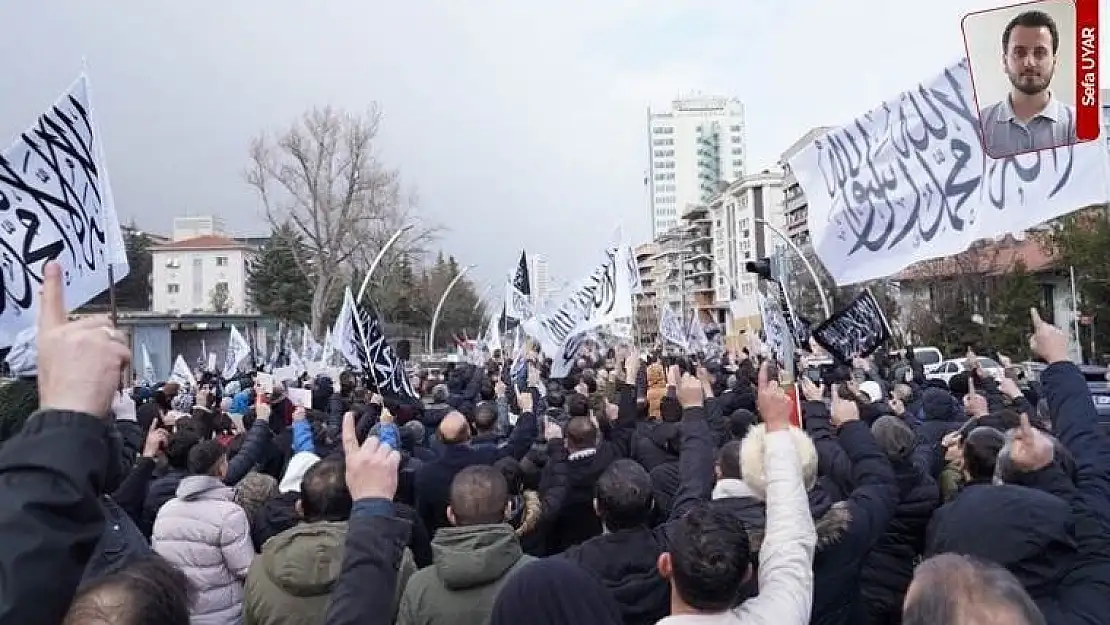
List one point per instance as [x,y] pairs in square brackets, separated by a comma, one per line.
[856,331]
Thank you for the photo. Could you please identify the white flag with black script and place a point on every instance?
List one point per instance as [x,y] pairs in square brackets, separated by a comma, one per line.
[238,350]
[776,332]
[56,205]
[603,297]
[670,328]
[182,374]
[909,181]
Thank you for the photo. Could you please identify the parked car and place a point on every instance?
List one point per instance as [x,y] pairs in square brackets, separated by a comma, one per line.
[1096,382]
[928,357]
[948,368]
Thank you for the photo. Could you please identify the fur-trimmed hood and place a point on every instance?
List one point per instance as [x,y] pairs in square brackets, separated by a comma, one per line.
[831,519]
[525,513]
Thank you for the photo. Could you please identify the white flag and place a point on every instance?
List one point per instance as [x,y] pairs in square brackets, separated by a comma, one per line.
[670,328]
[777,333]
[238,350]
[149,376]
[296,362]
[601,298]
[182,373]
[909,181]
[56,204]
[492,339]
[327,351]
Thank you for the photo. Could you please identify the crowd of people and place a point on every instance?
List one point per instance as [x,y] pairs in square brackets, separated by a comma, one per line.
[641,489]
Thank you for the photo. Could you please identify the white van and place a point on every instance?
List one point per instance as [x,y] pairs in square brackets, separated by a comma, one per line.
[929,357]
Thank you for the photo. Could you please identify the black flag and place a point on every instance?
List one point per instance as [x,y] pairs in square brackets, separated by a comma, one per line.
[378,358]
[856,331]
[521,282]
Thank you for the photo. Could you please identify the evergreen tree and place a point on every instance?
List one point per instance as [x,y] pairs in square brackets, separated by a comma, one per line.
[134,291]
[1015,293]
[1082,241]
[275,285]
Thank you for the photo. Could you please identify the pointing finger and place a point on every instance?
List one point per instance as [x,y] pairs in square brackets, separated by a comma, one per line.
[52,304]
[350,439]
[1036,315]
[763,375]
[1026,426]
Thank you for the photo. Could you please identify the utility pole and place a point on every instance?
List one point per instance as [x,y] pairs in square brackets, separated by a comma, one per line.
[770,273]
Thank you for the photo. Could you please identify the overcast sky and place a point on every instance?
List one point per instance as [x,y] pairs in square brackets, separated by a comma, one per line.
[517,122]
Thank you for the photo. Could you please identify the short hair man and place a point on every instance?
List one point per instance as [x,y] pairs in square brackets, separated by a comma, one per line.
[953,589]
[1030,118]
[453,590]
[291,580]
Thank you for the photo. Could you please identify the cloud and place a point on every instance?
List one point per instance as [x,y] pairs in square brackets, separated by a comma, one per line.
[518,123]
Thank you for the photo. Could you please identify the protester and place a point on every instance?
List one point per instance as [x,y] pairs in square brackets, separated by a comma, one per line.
[691,499]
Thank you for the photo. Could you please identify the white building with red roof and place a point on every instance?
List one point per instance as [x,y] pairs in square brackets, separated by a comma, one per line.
[200,261]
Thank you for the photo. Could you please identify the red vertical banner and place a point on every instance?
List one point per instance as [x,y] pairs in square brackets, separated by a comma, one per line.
[1088,113]
[795,405]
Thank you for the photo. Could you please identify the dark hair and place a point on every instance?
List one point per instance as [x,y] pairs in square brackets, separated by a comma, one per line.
[555,397]
[710,558]
[486,390]
[1032,19]
[148,591]
[981,449]
[204,456]
[512,472]
[479,495]
[578,405]
[485,416]
[581,434]
[728,460]
[324,494]
[739,422]
[955,588]
[624,495]
[440,394]
[670,409]
[178,446]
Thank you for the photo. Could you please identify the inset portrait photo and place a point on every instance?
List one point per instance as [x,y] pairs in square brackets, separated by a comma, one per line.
[1023,68]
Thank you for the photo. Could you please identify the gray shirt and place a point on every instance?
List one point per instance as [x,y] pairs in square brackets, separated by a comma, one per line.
[1005,135]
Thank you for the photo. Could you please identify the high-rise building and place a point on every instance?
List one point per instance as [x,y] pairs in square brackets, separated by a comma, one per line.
[796,206]
[541,280]
[695,146]
[739,213]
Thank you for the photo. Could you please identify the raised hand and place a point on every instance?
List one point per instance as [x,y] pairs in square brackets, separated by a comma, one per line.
[78,361]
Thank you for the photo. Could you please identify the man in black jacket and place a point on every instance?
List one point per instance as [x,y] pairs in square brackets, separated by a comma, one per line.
[433,479]
[58,464]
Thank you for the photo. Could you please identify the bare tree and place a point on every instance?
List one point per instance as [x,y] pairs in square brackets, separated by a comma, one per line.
[323,176]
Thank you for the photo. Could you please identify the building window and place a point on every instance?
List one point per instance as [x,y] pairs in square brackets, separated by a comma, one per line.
[737,163]
[737,139]
[173,262]
[173,289]
[735,129]
[221,261]
[663,130]
[659,142]
[198,279]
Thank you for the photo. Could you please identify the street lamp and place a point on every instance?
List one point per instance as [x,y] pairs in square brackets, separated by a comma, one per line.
[805,261]
[378,259]
[439,306]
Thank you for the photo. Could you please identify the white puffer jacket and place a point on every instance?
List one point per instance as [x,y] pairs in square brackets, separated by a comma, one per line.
[206,535]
